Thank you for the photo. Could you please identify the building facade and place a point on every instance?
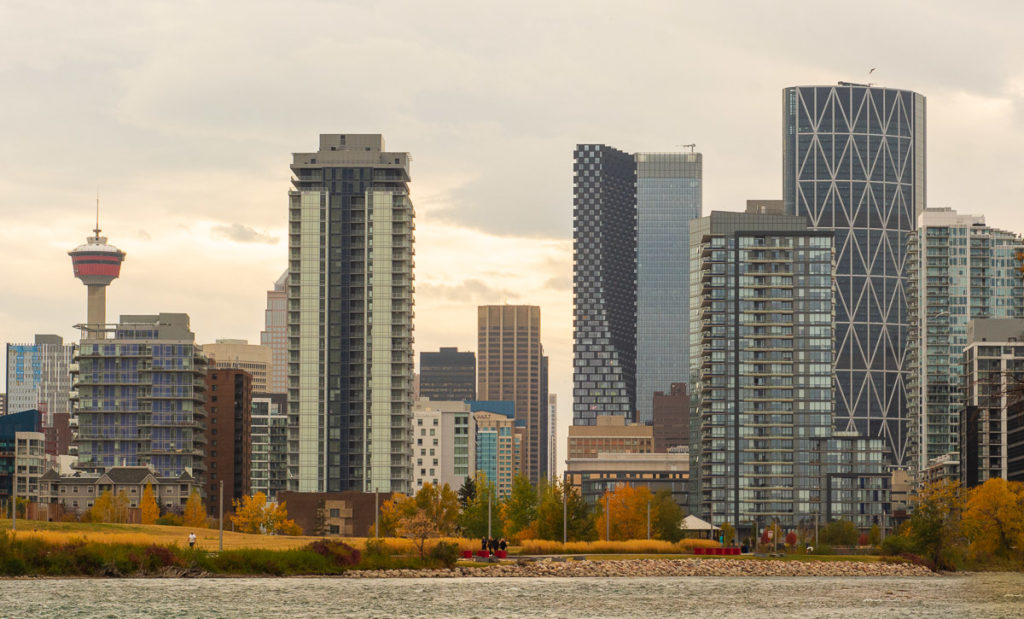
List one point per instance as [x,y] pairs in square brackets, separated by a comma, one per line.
[611,434]
[993,374]
[511,366]
[445,448]
[553,432]
[448,375]
[38,377]
[668,197]
[761,358]
[139,396]
[77,493]
[499,450]
[670,421]
[350,317]
[593,476]
[15,429]
[959,269]
[604,283]
[269,444]
[255,359]
[228,434]
[854,164]
[275,335]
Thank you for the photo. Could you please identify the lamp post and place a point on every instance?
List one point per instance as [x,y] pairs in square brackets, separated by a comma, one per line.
[608,517]
[376,513]
[220,518]
[565,513]
[648,519]
[489,495]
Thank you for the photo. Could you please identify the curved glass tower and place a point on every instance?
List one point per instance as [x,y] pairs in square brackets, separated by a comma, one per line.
[854,162]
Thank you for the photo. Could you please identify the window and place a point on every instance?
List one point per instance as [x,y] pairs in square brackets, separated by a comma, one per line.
[335,513]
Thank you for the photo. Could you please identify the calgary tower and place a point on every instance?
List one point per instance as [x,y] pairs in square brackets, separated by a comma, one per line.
[96,264]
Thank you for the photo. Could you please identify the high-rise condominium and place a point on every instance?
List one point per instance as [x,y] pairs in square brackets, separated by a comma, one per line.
[350,274]
[448,375]
[854,163]
[511,366]
[668,196]
[604,283]
[959,269]
[275,335]
[38,378]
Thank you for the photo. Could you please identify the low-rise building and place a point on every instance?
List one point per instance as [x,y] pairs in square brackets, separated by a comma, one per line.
[349,514]
[77,493]
[593,476]
[610,434]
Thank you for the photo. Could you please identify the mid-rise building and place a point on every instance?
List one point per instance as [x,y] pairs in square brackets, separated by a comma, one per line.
[229,434]
[611,434]
[671,418]
[498,449]
[256,360]
[992,379]
[15,429]
[139,397]
[269,444]
[445,447]
[448,375]
[959,269]
[1015,441]
[854,165]
[511,366]
[350,300]
[761,360]
[604,283]
[668,197]
[941,468]
[38,377]
[659,472]
[275,335]
[3,403]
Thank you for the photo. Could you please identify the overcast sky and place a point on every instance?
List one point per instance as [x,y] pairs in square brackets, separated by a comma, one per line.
[184,115]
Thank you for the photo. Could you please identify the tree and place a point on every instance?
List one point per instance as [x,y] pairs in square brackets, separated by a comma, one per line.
[391,513]
[440,504]
[150,509]
[195,512]
[666,515]
[791,539]
[419,527]
[935,526]
[840,533]
[875,535]
[254,515]
[628,508]
[728,533]
[473,519]
[101,507]
[467,492]
[520,509]
[994,519]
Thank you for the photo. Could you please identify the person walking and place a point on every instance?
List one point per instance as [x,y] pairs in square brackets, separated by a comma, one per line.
[191,539]
[502,545]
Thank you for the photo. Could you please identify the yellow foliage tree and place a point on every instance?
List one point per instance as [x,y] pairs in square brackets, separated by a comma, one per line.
[150,510]
[195,512]
[392,512]
[254,515]
[994,519]
[628,508]
[102,507]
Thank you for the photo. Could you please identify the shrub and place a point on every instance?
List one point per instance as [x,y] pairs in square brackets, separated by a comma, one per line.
[822,549]
[174,520]
[338,552]
[895,545]
[918,560]
[445,553]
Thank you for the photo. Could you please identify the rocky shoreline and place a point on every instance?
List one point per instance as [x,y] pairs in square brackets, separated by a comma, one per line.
[642,568]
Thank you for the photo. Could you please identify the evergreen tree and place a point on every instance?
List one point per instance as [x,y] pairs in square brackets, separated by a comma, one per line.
[467,492]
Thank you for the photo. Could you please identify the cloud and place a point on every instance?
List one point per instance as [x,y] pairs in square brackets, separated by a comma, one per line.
[470,291]
[559,283]
[241,233]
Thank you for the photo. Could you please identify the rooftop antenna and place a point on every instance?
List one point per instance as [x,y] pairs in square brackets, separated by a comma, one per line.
[97,228]
[690,146]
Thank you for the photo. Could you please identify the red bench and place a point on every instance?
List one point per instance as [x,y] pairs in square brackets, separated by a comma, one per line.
[467,554]
[501,554]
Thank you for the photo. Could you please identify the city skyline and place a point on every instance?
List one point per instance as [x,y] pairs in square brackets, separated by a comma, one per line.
[202,207]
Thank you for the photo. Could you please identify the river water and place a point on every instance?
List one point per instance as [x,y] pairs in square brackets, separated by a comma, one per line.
[974,596]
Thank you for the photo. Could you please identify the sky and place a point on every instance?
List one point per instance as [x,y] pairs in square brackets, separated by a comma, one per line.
[183,116]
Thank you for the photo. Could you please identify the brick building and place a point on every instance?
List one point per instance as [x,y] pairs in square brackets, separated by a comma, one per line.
[671,418]
[229,434]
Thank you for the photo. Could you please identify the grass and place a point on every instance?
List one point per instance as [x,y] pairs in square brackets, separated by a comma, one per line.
[633,547]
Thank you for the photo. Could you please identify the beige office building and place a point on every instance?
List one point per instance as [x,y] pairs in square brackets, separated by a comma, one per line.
[610,435]
[241,355]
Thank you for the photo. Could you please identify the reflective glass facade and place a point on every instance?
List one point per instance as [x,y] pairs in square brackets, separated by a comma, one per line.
[668,196]
[854,163]
[959,269]
[604,283]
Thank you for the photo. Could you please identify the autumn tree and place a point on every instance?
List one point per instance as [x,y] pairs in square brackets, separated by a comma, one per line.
[993,520]
[473,519]
[253,514]
[101,507]
[520,509]
[875,535]
[419,527]
[440,504]
[195,512]
[666,515]
[150,509]
[935,526]
[392,511]
[840,533]
[728,533]
[628,508]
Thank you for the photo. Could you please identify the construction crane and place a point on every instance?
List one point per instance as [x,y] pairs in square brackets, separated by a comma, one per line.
[690,146]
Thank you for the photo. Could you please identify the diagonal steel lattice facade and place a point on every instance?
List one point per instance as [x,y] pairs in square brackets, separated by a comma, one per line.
[854,163]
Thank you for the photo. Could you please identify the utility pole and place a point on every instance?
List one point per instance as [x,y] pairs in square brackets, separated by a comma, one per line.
[489,515]
[608,517]
[565,514]
[816,526]
[220,518]
[14,503]
[648,520]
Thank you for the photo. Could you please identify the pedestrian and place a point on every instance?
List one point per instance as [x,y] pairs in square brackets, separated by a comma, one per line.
[503,545]
[483,543]
[192,539]
[492,545]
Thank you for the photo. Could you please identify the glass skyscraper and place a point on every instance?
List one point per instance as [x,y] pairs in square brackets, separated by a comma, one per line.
[854,163]
[604,283]
[668,196]
[959,269]
[350,310]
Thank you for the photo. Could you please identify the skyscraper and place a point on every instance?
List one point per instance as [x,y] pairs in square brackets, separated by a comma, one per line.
[668,196]
[604,283]
[959,270]
[510,367]
[448,375]
[275,335]
[349,321]
[38,377]
[854,163]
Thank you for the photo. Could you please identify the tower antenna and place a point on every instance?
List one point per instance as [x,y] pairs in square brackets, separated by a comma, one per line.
[97,229]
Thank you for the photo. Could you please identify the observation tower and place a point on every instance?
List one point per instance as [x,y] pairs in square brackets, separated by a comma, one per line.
[97,264]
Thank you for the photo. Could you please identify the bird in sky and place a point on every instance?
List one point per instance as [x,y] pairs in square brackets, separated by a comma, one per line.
[871,71]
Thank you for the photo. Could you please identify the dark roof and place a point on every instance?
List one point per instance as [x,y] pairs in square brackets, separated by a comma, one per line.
[128,474]
[51,475]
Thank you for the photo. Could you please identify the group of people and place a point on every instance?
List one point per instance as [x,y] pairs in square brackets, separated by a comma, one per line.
[493,545]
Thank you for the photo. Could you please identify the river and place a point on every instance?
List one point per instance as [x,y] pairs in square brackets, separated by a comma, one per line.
[975,596]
